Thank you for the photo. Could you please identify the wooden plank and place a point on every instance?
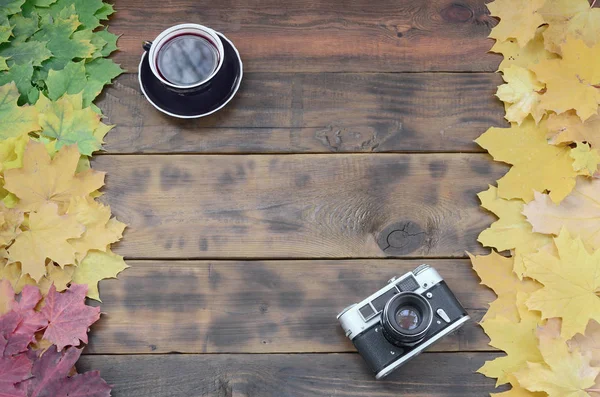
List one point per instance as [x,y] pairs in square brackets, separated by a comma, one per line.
[299,206]
[283,375]
[259,307]
[321,35]
[312,113]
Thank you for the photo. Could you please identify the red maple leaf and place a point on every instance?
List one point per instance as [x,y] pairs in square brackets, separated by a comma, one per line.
[19,325]
[68,317]
[51,377]
[12,371]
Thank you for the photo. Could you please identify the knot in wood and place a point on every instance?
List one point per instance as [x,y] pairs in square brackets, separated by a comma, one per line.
[401,238]
[458,13]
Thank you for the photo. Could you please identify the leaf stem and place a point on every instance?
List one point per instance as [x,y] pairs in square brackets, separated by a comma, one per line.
[593,4]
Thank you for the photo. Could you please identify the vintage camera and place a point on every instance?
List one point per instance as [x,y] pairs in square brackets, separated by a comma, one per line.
[402,319]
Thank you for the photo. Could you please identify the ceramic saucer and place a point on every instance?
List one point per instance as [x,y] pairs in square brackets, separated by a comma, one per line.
[206,101]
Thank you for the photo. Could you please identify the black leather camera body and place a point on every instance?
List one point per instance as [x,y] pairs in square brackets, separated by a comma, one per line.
[401,320]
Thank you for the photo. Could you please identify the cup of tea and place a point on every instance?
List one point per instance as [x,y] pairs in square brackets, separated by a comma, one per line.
[186,57]
[190,71]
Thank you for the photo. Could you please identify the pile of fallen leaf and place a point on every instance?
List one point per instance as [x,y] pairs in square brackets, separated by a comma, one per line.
[55,236]
[547,312]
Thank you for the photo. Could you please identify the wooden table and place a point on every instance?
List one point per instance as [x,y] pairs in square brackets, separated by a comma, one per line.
[346,158]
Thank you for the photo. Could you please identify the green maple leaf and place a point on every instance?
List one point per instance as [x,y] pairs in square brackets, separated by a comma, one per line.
[57,33]
[5,29]
[16,120]
[97,41]
[9,7]
[68,123]
[3,65]
[21,75]
[19,53]
[100,72]
[111,42]
[105,11]
[85,9]
[24,27]
[70,80]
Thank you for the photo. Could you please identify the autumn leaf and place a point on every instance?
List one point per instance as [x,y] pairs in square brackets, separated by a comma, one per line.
[7,296]
[567,127]
[12,371]
[16,120]
[67,122]
[518,391]
[44,180]
[589,342]
[96,266]
[10,222]
[50,377]
[571,283]
[11,152]
[57,276]
[517,338]
[511,231]
[21,53]
[579,213]
[68,316]
[100,229]
[11,272]
[585,159]
[562,374]
[526,148]
[521,94]
[46,237]
[570,81]
[518,23]
[496,272]
[570,18]
[56,32]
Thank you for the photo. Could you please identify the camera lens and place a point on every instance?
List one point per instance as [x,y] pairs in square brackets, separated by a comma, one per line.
[406,318]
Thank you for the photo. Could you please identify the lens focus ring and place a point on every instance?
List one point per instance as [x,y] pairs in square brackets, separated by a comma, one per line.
[406,318]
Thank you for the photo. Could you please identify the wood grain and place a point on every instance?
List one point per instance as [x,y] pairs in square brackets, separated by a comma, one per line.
[259,307]
[321,35]
[299,206]
[312,113]
[284,375]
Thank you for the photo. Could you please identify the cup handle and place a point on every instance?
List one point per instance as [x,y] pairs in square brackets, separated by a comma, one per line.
[146,45]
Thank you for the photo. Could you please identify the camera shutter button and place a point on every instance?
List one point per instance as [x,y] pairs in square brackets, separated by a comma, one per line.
[391,280]
[443,315]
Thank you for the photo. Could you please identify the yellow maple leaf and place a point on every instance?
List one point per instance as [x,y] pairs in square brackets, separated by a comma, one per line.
[521,94]
[7,297]
[579,213]
[12,273]
[585,159]
[496,272]
[100,229]
[11,152]
[44,180]
[511,231]
[567,127]
[589,342]
[561,374]
[571,81]
[96,266]
[518,23]
[46,237]
[10,222]
[524,57]
[517,338]
[569,18]
[58,276]
[571,283]
[537,166]
[518,391]
[16,120]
